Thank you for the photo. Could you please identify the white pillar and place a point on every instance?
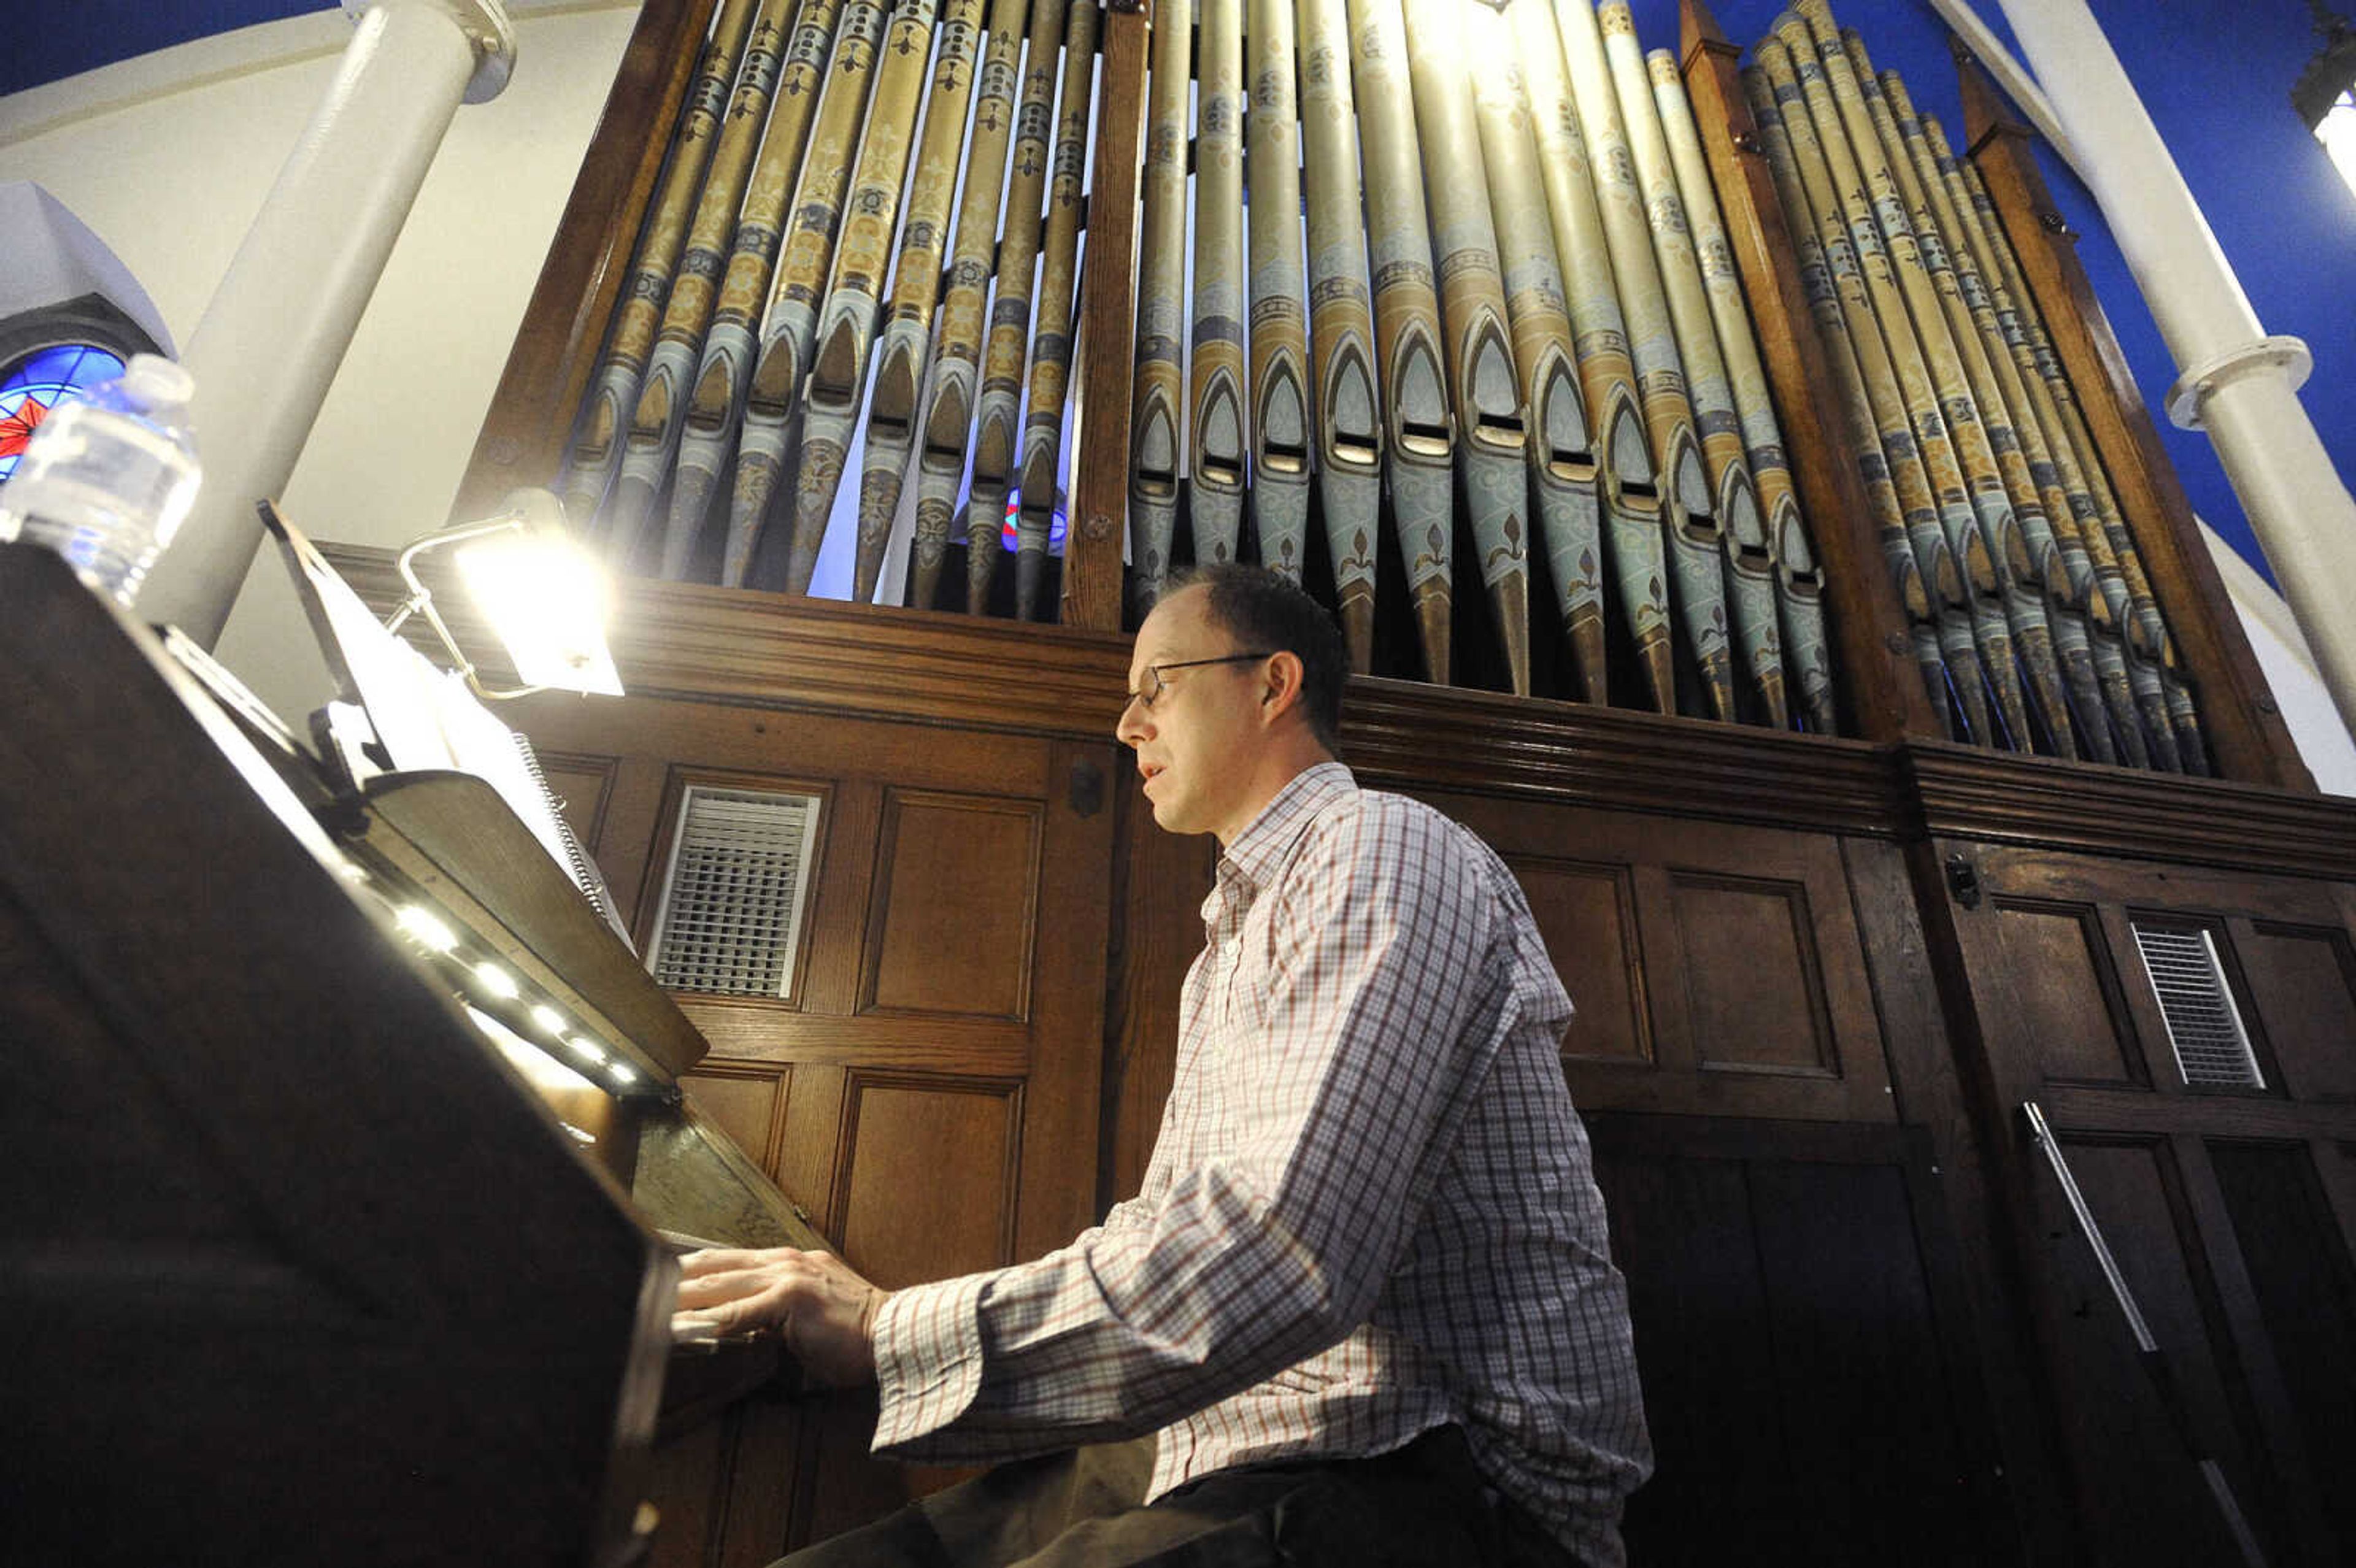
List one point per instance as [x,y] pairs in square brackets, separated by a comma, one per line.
[276,329]
[2239,384]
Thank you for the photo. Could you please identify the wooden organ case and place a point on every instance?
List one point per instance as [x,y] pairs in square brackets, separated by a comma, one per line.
[344,1120]
[1819,974]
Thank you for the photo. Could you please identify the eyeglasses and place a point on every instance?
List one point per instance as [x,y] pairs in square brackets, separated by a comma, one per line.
[1155,686]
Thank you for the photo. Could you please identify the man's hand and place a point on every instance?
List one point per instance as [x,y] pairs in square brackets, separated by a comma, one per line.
[823,1311]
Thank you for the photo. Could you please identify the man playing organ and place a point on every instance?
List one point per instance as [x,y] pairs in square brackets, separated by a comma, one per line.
[1362,1309]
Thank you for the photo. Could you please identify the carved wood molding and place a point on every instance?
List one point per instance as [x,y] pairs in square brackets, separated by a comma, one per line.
[699,643]
[2123,811]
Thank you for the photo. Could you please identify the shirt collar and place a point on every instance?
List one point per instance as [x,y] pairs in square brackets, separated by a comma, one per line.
[1261,850]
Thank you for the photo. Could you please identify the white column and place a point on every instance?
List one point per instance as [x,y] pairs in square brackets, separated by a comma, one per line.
[270,341]
[2239,384]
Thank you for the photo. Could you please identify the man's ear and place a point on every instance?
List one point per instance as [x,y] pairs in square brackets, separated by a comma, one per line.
[1282,688]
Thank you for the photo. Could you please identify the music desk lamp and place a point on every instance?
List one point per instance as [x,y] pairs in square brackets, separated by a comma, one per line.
[541,593]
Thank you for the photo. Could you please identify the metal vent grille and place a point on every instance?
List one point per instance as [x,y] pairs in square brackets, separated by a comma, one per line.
[2204,1027]
[732,907]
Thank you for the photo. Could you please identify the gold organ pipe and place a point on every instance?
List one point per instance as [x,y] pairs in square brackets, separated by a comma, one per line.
[1693,530]
[1280,439]
[597,454]
[1349,424]
[1051,344]
[1159,390]
[900,353]
[1631,493]
[998,426]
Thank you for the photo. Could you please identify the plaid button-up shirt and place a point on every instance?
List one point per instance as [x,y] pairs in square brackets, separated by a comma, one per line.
[1370,1209]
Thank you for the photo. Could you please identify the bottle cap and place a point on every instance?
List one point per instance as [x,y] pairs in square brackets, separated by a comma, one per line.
[158,382]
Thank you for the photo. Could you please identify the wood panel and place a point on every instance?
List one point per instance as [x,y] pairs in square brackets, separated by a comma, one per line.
[2201,1224]
[1718,967]
[929,1177]
[1811,1398]
[2066,993]
[2144,1500]
[1753,985]
[747,1103]
[955,923]
[2305,1288]
[931,1093]
[1590,910]
[582,786]
[2304,980]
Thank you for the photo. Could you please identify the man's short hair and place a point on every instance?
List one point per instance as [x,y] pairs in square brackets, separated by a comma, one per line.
[1267,611]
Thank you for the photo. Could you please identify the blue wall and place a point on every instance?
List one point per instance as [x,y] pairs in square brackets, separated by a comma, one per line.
[2215,74]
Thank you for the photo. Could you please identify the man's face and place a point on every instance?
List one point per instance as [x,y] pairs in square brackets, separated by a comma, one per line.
[1196,741]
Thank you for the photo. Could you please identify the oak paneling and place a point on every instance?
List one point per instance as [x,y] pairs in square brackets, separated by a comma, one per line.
[1754,989]
[2142,1495]
[749,1103]
[929,1183]
[581,785]
[955,927]
[2066,992]
[1589,911]
[2303,979]
[1808,1401]
[2305,1284]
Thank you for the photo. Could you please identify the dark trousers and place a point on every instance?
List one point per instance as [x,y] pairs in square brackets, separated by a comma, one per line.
[1420,1507]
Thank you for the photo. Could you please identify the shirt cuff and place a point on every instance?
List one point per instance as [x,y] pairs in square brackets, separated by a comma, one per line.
[927,1357]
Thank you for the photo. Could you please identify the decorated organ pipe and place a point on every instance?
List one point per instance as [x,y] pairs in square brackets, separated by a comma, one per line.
[901,354]
[1690,523]
[1385,305]
[773,404]
[1050,348]
[997,428]
[1921,572]
[596,451]
[2068,651]
[1749,568]
[944,424]
[2032,557]
[1420,433]
[651,442]
[2086,631]
[1915,431]
[1156,423]
[1492,444]
[715,407]
[846,323]
[1278,320]
[1630,496]
[2148,639]
[1799,587]
[1346,410]
[1561,445]
[1989,506]
[1218,391]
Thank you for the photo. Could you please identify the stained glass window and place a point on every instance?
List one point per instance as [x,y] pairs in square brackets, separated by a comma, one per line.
[36,384]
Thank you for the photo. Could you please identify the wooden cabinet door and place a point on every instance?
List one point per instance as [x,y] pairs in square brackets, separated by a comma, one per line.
[927,1090]
[2230,1207]
[1716,969]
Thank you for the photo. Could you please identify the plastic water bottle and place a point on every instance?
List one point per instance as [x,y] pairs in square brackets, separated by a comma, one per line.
[108,477]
